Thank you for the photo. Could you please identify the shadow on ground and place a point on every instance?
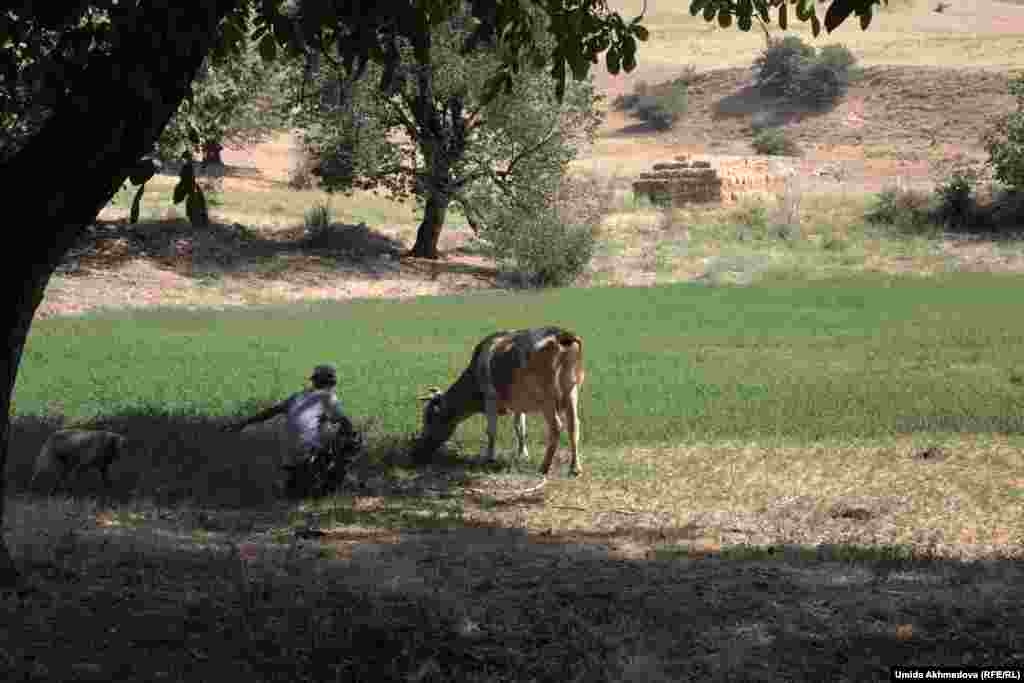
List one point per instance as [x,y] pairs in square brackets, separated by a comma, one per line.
[228,248]
[393,581]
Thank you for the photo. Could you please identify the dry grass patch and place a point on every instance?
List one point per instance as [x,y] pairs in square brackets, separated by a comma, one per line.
[752,494]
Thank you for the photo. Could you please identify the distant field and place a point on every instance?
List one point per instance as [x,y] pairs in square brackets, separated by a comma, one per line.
[908,33]
[808,360]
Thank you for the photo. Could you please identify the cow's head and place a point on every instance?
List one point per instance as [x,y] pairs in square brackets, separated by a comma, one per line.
[438,424]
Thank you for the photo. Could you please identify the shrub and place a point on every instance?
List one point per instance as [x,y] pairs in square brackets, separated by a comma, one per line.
[777,67]
[907,210]
[774,141]
[551,243]
[1005,141]
[662,111]
[837,56]
[318,224]
[543,248]
[956,199]
[1006,211]
[817,86]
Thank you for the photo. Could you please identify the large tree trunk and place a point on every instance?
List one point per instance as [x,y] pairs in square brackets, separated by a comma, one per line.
[429,231]
[112,117]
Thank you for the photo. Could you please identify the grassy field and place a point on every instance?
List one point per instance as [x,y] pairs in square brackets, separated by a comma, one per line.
[840,358]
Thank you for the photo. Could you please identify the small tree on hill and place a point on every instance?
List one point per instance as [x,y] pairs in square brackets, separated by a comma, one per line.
[434,137]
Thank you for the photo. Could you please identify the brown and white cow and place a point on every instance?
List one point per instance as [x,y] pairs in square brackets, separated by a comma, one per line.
[538,370]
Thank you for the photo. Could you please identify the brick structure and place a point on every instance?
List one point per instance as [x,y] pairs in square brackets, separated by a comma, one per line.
[687,181]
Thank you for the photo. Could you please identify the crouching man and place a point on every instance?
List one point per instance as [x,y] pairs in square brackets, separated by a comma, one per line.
[313,418]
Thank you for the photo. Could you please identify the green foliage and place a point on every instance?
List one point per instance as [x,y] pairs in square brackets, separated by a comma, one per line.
[956,199]
[837,56]
[1004,142]
[792,69]
[876,355]
[234,103]
[661,106]
[552,242]
[498,152]
[818,87]
[774,141]
[318,219]
[544,249]
[908,211]
[778,65]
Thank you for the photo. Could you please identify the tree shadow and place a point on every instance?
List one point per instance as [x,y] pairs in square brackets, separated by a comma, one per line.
[223,248]
[480,597]
[175,460]
[764,111]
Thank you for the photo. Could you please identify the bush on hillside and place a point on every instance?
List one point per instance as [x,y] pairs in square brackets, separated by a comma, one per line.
[661,109]
[778,65]
[792,69]
[774,141]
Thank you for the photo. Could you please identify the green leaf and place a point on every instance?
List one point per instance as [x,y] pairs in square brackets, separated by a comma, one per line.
[745,22]
[724,19]
[865,18]
[612,60]
[782,16]
[179,192]
[762,10]
[629,61]
[837,13]
[696,6]
[803,11]
[268,48]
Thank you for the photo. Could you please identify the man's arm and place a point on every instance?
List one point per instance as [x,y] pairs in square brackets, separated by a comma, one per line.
[337,414]
[261,416]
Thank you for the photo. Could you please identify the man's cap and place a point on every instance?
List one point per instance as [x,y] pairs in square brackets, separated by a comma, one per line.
[324,373]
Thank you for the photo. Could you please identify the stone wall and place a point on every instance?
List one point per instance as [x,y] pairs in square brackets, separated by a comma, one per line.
[688,181]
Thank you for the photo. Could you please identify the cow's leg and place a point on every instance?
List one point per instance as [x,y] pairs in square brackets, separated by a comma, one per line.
[519,423]
[554,432]
[572,420]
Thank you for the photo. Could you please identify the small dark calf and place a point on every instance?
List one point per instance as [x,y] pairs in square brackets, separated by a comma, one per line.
[75,450]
